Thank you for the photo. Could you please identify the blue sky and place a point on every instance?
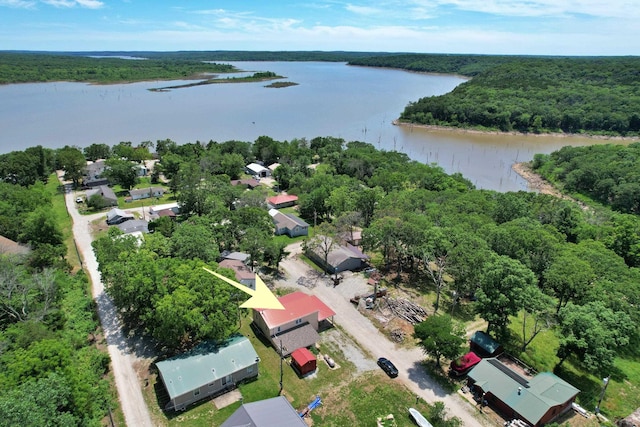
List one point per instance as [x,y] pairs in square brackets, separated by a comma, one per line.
[537,27]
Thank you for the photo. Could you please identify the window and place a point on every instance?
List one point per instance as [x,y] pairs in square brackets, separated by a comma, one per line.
[298,321]
[196,392]
[278,328]
[249,369]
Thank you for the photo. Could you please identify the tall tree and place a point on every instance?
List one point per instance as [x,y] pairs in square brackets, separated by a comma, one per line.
[569,278]
[440,337]
[121,172]
[538,306]
[95,152]
[594,334]
[503,287]
[435,252]
[72,162]
[322,243]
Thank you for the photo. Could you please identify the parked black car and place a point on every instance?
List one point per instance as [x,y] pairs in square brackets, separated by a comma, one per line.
[388,367]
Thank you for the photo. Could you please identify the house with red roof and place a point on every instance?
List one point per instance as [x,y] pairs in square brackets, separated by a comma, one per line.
[297,325]
[282,201]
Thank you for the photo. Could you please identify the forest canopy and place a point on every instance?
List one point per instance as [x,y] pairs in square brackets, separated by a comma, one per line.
[606,173]
[571,95]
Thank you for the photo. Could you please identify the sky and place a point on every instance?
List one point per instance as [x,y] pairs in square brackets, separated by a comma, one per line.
[522,27]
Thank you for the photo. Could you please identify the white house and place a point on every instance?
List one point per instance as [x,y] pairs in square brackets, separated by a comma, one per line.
[258,170]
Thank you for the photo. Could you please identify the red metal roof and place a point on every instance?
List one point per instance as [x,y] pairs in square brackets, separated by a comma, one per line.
[296,305]
[302,356]
[282,198]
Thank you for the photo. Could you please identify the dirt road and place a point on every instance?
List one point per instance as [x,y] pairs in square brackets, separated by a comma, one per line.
[121,353]
[371,339]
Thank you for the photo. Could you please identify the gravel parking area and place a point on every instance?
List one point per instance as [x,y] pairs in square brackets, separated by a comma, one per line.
[363,343]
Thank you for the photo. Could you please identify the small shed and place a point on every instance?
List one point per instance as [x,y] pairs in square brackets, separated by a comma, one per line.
[303,361]
[483,345]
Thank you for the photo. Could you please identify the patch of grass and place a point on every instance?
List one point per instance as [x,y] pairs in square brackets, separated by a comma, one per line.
[348,397]
[59,208]
[622,396]
[541,353]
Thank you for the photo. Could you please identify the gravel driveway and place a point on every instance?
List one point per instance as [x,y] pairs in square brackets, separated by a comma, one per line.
[372,342]
[121,352]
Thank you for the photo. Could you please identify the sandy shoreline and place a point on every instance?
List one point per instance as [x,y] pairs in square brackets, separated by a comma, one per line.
[534,181]
[453,129]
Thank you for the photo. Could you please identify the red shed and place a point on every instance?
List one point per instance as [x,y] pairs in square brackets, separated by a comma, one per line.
[303,361]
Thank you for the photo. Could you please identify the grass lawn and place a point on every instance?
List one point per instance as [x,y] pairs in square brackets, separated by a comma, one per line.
[348,398]
[59,208]
[622,396]
[144,183]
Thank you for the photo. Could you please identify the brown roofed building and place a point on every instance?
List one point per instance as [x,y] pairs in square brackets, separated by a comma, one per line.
[242,272]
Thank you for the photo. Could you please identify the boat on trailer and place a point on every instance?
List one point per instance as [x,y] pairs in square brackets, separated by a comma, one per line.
[419,419]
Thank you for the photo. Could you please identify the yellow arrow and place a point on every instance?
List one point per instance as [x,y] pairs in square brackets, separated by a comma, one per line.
[261,297]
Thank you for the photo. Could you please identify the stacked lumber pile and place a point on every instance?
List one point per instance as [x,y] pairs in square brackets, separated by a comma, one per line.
[407,310]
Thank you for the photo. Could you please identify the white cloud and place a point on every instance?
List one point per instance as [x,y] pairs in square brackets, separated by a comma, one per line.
[542,8]
[18,4]
[363,10]
[89,4]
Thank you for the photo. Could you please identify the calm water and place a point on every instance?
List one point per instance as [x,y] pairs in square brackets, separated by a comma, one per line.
[331,99]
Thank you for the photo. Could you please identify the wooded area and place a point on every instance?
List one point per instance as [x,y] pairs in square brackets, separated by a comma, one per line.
[606,173]
[523,257]
[51,370]
[595,95]
[50,67]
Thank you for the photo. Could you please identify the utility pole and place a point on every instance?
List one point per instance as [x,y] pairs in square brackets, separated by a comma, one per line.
[281,369]
[605,383]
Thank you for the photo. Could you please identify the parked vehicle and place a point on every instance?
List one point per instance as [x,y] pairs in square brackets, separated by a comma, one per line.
[388,367]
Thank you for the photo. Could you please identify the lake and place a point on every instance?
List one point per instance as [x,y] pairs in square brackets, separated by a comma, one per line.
[331,99]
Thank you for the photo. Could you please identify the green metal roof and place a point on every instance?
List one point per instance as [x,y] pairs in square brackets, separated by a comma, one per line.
[529,397]
[205,364]
[485,342]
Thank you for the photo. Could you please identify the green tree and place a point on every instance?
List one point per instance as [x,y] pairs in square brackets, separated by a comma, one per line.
[322,243]
[232,165]
[121,172]
[18,168]
[194,241]
[42,402]
[435,252]
[594,334]
[95,152]
[41,227]
[503,286]
[440,337]
[570,278]
[72,162]
[538,306]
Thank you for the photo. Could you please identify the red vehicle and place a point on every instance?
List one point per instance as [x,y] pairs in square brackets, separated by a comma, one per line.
[463,364]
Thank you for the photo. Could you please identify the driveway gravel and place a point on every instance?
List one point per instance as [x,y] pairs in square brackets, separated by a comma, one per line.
[373,343]
[121,351]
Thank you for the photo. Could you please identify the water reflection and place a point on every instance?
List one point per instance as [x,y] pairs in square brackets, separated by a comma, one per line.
[331,99]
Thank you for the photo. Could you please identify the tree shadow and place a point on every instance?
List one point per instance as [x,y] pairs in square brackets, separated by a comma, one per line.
[420,374]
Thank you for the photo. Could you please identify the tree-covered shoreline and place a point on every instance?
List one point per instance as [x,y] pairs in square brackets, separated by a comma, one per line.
[526,94]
